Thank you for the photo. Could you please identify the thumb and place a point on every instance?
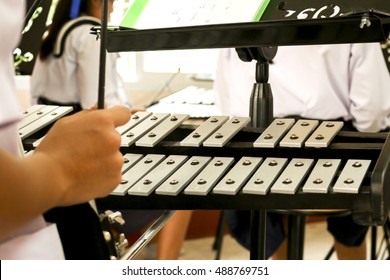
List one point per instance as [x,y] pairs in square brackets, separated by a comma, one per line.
[119,115]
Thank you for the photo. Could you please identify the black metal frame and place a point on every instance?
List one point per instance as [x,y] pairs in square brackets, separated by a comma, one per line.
[252,34]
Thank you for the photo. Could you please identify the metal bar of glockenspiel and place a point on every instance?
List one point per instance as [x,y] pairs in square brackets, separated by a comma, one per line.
[148,235]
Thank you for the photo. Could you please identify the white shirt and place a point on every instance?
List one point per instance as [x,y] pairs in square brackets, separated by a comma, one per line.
[36,240]
[348,81]
[74,77]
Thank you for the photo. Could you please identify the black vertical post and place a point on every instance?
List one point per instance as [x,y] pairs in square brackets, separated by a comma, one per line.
[296,236]
[258,234]
[261,114]
[261,102]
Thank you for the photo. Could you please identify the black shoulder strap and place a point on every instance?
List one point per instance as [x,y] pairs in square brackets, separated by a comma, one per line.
[68,27]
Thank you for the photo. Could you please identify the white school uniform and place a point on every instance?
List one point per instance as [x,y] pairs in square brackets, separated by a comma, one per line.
[348,81]
[36,240]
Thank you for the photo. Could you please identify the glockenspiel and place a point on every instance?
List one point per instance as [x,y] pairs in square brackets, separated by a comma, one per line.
[221,163]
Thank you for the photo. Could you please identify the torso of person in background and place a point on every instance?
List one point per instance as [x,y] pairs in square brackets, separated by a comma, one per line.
[326,82]
[73,78]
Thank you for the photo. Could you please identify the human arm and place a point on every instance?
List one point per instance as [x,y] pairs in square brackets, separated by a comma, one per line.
[78,160]
[369,88]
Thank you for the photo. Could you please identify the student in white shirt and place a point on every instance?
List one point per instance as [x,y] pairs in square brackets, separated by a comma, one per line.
[55,175]
[348,82]
[67,69]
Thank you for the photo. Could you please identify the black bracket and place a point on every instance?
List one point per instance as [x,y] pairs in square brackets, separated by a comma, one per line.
[261,102]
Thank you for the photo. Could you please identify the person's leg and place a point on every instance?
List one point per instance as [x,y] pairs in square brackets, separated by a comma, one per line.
[349,238]
[351,252]
[172,235]
[239,225]
[281,252]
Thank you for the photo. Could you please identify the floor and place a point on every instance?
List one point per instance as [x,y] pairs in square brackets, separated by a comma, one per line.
[317,244]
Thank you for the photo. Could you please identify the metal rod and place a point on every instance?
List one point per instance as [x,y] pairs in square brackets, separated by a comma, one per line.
[148,235]
[102,58]
[102,70]
[31,11]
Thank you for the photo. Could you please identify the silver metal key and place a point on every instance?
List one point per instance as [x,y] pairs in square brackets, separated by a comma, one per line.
[129,160]
[183,176]
[135,119]
[324,134]
[158,133]
[202,132]
[154,178]
[32,109]
[322,176]
[237,176]
[36,143]
[43,121]
[135,173]
[352,175]
[263,178]
[132,135]
[226,132]
[33,116]
[291,178]
[209,176]
[273,133]
[29,153]
[298,133]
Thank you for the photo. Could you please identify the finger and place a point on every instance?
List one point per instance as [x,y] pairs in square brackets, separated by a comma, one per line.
[120,115]
[134,110]
[95,107]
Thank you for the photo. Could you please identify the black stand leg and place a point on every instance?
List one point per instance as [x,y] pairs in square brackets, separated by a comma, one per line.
[373,242]
[330,253]
[217,246]
[258,234]
[296,236]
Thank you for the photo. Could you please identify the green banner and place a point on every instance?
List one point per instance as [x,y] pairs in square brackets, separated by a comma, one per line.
[133,13]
